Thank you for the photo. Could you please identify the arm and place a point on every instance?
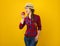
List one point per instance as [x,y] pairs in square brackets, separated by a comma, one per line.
[38,33]
[39,25]
[39,28]
[22,23]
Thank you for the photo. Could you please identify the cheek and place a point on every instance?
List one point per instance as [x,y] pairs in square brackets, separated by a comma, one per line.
[27,11]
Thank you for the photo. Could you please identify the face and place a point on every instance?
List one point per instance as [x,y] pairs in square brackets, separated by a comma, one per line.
[27,10]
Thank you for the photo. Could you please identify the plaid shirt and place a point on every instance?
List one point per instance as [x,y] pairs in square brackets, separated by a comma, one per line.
[32,26]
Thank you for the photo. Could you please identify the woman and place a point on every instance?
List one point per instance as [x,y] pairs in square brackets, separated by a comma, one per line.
[33,26]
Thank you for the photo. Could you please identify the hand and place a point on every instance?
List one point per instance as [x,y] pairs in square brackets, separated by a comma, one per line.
[36,38]
[23,14]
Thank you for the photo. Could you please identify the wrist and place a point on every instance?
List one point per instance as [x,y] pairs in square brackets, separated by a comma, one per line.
[22,20]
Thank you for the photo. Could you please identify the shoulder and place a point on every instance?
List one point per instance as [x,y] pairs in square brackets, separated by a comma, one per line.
[26,18]
[36,16]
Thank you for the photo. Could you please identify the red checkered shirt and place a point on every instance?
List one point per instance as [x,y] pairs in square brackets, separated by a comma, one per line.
[32,25]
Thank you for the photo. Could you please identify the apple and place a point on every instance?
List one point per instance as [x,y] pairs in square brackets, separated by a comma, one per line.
[23,13]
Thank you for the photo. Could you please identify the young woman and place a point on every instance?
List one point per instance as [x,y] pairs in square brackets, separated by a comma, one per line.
[33,26]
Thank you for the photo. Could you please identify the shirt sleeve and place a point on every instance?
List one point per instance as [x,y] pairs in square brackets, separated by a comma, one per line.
[21,25]
[39,23]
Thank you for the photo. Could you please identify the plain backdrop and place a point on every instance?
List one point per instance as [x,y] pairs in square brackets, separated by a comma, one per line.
[11,35]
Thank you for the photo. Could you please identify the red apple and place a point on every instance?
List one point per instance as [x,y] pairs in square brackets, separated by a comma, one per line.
[23,13]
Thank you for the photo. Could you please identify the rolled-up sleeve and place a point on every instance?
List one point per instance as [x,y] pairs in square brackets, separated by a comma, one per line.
[21,25]
[39,23]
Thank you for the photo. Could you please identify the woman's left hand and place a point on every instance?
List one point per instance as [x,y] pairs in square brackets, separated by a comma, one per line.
[36,38]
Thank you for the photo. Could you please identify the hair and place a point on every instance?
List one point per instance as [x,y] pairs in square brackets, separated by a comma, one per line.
[32,15]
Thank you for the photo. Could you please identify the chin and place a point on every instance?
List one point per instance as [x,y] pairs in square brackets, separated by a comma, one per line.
[27,13]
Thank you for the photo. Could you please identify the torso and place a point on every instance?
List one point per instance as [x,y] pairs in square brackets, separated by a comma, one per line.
[31,26]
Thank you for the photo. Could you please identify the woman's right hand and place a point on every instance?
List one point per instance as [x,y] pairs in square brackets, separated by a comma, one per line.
[23,16]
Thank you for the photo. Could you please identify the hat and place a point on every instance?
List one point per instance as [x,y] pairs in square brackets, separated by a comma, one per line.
[29,5]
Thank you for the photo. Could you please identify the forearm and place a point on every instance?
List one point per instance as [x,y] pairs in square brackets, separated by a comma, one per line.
[38,33]
[22,23]
[36,38]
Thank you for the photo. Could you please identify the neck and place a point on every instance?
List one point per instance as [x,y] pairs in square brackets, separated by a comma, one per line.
[30,15]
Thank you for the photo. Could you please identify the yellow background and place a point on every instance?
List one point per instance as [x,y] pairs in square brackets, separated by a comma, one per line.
[11,35]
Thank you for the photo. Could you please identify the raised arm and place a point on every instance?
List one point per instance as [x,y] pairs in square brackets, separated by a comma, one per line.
[22,23]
